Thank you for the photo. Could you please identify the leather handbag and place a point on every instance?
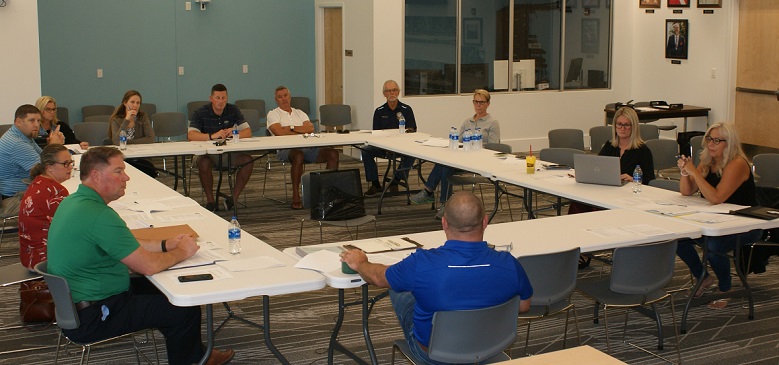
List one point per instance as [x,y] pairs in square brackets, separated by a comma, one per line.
[36,303]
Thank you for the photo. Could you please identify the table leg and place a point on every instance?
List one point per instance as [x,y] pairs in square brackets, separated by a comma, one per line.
[365,332]
[209,333]
[266,330]
[367,306]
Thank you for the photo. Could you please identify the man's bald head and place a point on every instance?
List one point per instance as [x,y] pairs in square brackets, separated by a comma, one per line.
[464,212]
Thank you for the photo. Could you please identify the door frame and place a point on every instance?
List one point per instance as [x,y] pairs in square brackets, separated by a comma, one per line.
[319,25]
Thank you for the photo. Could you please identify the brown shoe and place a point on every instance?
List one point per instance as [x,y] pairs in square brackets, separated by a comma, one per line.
[372,191]
[220,357]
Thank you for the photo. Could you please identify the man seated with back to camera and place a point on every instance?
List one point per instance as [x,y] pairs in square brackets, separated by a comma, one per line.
[464,273]
[109,304]
[387,116]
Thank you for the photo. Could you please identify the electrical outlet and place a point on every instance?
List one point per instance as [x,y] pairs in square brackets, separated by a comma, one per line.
[181,70]
[99,73]
[188,6]
[246,69]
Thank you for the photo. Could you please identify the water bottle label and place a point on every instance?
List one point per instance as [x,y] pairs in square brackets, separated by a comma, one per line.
[234,234]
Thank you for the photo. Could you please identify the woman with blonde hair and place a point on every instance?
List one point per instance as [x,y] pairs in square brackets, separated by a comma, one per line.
[49,123]
[723,176]
[627,144]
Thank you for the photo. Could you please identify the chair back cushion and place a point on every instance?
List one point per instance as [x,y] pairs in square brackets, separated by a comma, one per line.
[471,336]
[553,275]
[643,269]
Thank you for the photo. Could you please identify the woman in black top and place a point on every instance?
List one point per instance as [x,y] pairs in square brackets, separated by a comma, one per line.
[723,176]
[49,122]
[626,143]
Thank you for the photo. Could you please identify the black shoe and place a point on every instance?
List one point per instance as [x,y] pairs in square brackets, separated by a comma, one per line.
[584,261]
[393,188]
[372,191]
[211,207]
[229,204]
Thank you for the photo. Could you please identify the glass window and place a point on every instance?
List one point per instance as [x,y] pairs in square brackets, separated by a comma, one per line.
[441,61]
[431,47]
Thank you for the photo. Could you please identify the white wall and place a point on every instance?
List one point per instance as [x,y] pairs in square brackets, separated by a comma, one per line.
[20,68]
[712,44]
[639,71]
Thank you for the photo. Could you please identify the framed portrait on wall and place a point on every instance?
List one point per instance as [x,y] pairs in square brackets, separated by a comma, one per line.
[679,3]
[677,38]
[709,3]
[653,4]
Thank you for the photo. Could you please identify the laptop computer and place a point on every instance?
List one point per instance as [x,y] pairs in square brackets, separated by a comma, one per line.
[594,169]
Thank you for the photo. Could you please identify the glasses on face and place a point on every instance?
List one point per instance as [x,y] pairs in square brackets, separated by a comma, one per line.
[479,102]
[54,109]
[716,141]
[395,90]
[624,125]
[66,164]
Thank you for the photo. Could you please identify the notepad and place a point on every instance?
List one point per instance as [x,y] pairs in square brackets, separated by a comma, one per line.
[378,245]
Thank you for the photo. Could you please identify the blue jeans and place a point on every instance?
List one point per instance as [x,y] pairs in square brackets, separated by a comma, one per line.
[717,248]
[439,175]
[372,171]
[403,303]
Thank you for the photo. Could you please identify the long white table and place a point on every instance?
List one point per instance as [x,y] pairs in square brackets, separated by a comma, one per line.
[591,232]
[213,235]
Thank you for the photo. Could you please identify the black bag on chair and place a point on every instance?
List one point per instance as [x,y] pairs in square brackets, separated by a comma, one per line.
[334,205]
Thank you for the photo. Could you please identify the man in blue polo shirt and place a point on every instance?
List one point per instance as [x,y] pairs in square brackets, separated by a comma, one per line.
[387,117]
[464,273]
[18,154]
[215,121]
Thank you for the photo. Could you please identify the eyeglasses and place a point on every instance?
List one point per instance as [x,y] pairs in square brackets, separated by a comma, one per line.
[716,141]
[66,164]
[480,102]
[395,90]
[624,126]
[50,109]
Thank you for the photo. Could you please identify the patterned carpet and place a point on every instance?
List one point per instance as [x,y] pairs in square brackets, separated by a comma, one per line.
[301,323]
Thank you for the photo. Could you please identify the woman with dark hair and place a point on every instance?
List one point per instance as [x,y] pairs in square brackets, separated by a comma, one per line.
[42,198]
[129,117]
[722,176]
[49,122]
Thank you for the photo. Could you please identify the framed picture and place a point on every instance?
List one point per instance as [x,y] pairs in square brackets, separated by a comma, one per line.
[472,31]
[590,35]
[590,3]
[677,38]
[709,3]
[679,3]
[654,4]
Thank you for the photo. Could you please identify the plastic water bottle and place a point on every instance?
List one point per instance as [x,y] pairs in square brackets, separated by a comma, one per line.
[401,123]
[236,135]
[637,175]
[454,138]
[234,236]
[122,140]
[478,139]
[467,139]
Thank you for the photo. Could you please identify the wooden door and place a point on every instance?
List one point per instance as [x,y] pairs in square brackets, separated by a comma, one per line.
[757,109]
[333,40]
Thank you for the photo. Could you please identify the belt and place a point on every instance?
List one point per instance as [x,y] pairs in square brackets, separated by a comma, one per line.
[83,304]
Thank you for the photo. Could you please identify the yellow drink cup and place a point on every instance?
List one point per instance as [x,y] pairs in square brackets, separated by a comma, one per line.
[531,164]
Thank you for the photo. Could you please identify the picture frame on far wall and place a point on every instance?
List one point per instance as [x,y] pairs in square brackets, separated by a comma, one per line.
[651,4]
[678,3]
[709,3]
[677,38]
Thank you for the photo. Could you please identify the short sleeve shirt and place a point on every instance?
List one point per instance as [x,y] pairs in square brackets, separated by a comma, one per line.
[458,275]
[386,118]
[204,120]
[280,116]
[87,241]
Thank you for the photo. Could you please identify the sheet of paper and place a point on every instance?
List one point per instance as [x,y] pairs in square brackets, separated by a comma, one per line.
[179,202]
[436,142]
[75,148]
[709,217]
[614,232]
[646,230]
[136,220]
[383,244]
[184,217]
[248,264]
[386,259]
[723,208]
[140,205]
[200,258]
[322,261]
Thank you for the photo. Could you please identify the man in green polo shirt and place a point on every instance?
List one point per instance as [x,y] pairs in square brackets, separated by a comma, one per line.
[92,248]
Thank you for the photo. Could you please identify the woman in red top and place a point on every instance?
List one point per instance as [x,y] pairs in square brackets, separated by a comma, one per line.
[42,198]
